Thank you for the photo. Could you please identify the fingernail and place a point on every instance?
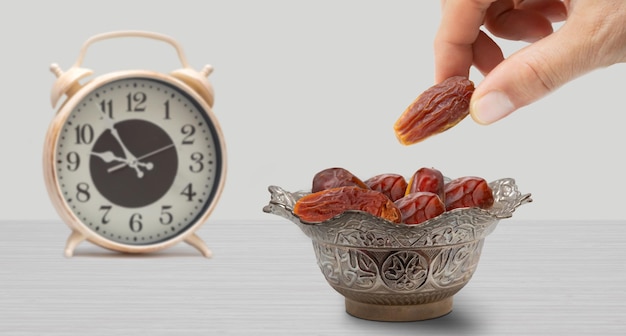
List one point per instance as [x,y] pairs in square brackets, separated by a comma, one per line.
[491,107]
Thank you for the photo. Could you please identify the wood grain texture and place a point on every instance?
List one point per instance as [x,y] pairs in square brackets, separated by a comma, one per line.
[541,277]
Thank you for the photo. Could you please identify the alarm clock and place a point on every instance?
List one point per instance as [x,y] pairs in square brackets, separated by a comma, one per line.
[134,160]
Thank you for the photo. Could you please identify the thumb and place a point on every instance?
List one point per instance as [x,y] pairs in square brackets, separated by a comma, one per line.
[531,73]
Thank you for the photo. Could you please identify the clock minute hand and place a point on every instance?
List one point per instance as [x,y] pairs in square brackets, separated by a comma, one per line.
[148,165]
[129,156]
[131,160]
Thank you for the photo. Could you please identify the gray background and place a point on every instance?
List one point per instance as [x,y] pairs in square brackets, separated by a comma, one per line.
[302,86]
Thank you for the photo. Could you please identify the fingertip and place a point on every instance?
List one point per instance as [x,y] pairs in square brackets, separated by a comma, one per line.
[518,24]
[553,10]
[490,107]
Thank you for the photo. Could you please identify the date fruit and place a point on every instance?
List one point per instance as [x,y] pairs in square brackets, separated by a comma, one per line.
[335,177]
[326,204]
[419,207]
[426,179]
[468,191]
[390,196]
[435,110]
[392,185]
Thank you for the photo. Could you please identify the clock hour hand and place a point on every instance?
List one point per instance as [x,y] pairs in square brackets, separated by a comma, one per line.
[108,157]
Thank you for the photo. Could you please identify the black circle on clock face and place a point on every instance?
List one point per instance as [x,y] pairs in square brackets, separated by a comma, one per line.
[139,183]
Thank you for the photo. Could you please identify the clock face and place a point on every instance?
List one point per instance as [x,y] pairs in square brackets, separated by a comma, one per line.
[138,160]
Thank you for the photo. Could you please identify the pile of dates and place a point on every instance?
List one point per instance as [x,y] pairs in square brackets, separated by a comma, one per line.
[426,195]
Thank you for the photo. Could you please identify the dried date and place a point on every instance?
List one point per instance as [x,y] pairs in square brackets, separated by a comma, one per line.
[392,185]
[335,177]
[326,204]
[437,109]
[468,191]
[426,179]
[419,207]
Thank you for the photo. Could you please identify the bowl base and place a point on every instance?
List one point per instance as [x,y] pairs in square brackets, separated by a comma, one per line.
[399,313]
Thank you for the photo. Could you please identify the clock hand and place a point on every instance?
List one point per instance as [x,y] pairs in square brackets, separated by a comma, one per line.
[129,156]
[130,160]
[154,152]
[108,156]
[148,165]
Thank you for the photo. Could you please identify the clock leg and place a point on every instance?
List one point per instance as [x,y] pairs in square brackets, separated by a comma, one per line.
[72,241]
[197,242]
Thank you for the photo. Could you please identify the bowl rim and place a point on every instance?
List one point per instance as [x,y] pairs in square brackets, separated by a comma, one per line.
[463,224]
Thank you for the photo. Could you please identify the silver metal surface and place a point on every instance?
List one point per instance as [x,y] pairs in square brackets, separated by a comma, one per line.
[534,278]
[401,268]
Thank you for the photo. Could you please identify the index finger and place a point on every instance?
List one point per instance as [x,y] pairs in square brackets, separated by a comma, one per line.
[458,30]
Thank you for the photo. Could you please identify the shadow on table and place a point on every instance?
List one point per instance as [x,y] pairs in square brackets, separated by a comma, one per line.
[103,253]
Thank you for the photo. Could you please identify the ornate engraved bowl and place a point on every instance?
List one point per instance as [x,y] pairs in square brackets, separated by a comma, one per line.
[398,272]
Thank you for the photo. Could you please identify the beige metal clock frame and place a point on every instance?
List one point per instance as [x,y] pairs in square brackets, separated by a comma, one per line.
[193,82]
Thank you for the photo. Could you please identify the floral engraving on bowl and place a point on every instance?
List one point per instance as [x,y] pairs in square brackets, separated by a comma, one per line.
[362,237]
[405,271]
[402,271]
[453,266]
[346,267]
[447,235]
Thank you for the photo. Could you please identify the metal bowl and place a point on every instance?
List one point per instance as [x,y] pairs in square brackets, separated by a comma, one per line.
[398,272]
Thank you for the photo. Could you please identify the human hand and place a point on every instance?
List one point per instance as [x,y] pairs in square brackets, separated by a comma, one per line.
[593,36]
